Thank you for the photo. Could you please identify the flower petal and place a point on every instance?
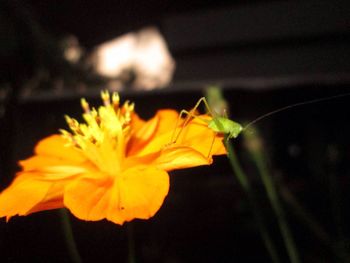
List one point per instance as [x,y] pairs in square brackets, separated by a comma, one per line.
[137,193]
[55,146]
[163,122]
[201,138]
[23,194]
[142,192]
[88,197]
[37,162]
[180,158]
[170,159]
[167,121]
[195,135]
[52,165]
[143,134]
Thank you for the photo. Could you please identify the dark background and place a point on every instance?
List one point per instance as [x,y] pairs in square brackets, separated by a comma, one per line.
[264,54]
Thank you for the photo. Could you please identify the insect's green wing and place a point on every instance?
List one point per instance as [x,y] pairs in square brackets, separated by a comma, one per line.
[217,125]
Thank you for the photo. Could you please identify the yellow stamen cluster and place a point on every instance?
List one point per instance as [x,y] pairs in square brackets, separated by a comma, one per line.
[107,122]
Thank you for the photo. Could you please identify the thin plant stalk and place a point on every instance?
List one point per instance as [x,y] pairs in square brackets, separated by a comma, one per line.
[245,184]
[219,105]
[69,237]
[254,146]
[302,214]
[131,243]
[315,227]
[342,243]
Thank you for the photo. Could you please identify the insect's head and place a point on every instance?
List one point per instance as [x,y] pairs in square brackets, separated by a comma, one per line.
[235,130]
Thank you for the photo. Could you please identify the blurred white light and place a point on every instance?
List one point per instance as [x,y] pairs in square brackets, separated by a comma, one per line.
[145,53]
[115,56]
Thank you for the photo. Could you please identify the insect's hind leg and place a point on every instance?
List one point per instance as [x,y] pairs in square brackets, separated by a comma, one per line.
[204,100]
[212,144]
[189,116]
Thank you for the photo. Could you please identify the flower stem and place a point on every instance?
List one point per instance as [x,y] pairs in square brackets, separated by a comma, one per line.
[219,104]
[302,214]
[131,242]
[342,242]
[245,184]
[68,234]
[254,145]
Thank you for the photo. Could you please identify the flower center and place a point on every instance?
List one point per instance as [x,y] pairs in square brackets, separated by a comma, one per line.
[103,136]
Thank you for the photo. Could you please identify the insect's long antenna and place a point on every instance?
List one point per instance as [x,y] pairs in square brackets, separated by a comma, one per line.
[295,105]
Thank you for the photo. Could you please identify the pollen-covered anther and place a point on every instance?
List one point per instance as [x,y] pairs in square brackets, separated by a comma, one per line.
[105,98]
[126,111]
[131,107]
[73,124]
[85,105]
[68,136]
[115,100]
[108,120]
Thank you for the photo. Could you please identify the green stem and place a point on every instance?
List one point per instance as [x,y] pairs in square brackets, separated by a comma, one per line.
[244,182]
[218,104]
[131,242]
[305,216]
[68,234]
[276,205]
[342,243]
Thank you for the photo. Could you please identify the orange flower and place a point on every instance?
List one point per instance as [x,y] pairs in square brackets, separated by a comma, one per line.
[114,166]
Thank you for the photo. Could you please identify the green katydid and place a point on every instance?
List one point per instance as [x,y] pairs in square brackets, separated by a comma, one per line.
[218,124]
[224,125]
